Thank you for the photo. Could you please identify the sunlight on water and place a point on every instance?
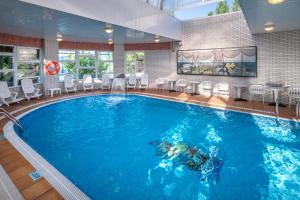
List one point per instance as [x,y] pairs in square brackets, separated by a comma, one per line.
[221,114]
[283,167]
[212,135]
[175,134]
[270,128]
[115,100]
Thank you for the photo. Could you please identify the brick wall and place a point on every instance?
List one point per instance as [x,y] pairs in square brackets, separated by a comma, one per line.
[85,46]
[20,40]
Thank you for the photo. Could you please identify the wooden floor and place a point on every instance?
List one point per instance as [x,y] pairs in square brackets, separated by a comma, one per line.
[18,168]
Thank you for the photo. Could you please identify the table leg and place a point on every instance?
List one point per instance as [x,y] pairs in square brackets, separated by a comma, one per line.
[194,90]
[239,92]
[172,87]
[51,93]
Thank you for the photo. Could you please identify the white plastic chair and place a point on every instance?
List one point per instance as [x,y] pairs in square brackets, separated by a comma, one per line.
[221,89]
[70,86]
[181,85]
[257,90]
[6,96]
[105,82]
[29,90]
[293,93]
[205,87]
[87,82]
[131,84]
[160,83]
[144,82]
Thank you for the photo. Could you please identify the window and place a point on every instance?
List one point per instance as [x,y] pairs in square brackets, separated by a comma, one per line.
[80,62]
[28,64]
[87,63]
[6,64]
[67,63]
[134,62]
[17,63]
[105,63]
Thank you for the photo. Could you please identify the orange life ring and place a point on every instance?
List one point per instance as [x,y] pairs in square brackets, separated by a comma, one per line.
[52,67]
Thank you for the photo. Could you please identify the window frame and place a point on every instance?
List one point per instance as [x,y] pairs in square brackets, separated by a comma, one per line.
[16,61]
[135,62]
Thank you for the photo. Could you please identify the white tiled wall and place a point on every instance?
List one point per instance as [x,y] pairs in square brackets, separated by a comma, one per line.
[278,54]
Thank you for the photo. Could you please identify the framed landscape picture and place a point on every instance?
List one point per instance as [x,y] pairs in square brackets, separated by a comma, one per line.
[235,62]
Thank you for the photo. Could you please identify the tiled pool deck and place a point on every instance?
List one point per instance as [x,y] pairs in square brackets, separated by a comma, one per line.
[17,167]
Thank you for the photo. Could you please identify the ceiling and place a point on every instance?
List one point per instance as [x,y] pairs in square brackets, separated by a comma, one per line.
[24,19]
[285,16]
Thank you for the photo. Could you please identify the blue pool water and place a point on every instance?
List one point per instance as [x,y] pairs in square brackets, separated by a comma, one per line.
[132,147]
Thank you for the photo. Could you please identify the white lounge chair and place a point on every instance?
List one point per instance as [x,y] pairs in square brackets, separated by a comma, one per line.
[205,88]
[181,85]
[29,90]
[105,82]
[255,90]
[293,93]
[144,82]
[87,82]
[160,83]
[70,86]
[6,96]
[221,89]
[131,84]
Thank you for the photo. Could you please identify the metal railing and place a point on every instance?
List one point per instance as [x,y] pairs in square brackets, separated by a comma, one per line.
[11,118]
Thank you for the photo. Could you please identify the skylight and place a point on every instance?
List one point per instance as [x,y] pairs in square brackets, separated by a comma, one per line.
[189,9]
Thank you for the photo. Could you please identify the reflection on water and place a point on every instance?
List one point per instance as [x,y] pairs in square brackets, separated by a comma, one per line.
[279,130]
[283,166]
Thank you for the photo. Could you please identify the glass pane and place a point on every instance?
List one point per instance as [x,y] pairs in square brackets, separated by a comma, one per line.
[67,68]
[28,54]
[8,77]
[105,67]
[87,53]
[6,49]
[87,61]
[66,55]
[87,71]
[105,56]
[6,62]
[134,62]
[28,70]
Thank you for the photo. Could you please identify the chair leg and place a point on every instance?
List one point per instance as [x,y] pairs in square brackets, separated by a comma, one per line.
[263,99]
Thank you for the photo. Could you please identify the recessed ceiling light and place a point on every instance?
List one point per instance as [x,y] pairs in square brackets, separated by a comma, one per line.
[269,27]
[275,1]
[108,28]
[157,39]
[59,37]
[110,41]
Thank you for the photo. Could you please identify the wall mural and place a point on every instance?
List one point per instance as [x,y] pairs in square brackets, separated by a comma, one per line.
[238,62]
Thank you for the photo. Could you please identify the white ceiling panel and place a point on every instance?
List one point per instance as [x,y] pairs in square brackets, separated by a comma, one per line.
[285,16]
[25,19]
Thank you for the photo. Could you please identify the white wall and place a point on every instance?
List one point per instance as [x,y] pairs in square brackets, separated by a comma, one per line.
[160,64]
[278,54]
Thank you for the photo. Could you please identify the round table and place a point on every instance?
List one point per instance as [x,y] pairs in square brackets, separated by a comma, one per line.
[194,86]
[239,87]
